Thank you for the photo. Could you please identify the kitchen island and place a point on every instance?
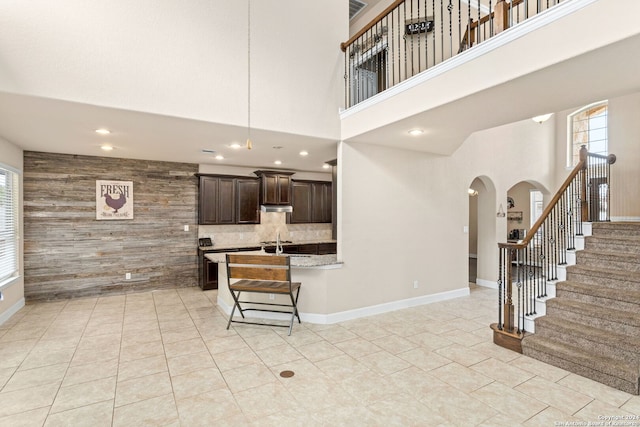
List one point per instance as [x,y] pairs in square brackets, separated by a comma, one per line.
[312,271]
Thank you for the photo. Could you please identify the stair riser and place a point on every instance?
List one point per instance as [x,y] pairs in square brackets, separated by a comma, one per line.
[629,386]
[625,263]
[609,245]
[611,282]
[603,301]
[596,322]
[626,350]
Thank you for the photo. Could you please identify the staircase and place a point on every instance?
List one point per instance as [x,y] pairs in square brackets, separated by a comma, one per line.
[592,327]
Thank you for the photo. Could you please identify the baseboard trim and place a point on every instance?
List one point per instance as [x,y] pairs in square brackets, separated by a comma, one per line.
[11,311]
[625,219]
[486,283]
[327,319]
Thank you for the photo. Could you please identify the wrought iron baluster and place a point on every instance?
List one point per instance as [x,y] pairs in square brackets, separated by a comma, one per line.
[478,40]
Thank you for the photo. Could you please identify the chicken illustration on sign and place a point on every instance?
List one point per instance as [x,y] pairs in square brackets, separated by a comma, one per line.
[114,200]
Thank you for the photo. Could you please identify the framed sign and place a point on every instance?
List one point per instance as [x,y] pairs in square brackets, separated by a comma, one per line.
[417,26]
[114,200]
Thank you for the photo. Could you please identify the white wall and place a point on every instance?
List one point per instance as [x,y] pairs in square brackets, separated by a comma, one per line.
[13,293]
[183,59]
[402,212]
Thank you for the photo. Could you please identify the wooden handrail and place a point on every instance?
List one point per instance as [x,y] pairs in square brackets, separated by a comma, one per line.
[371,24]
[534,228]
[582,164]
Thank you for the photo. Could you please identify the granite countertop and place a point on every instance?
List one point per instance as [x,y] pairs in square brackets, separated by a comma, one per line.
[301,261]
[258,244]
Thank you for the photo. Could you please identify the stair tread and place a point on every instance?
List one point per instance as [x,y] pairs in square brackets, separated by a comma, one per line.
[608,254]
[606,272]
[601,291]
[626,370]
[591,333]
[594,310]
[631,239]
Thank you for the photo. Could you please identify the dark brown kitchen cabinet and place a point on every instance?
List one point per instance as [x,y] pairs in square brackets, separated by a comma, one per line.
[311,201]
[321,202]
[228,200]
[248,200]
[301,202]
[216,198]
[275,187]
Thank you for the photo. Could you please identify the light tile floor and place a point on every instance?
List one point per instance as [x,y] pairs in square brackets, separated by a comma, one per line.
[165,358]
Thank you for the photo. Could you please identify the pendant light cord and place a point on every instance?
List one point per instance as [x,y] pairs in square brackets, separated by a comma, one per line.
[249,74]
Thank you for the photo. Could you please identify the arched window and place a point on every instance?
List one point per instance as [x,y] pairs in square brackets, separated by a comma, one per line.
[587,126]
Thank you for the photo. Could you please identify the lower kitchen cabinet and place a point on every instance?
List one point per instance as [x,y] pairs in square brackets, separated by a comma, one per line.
[210,275]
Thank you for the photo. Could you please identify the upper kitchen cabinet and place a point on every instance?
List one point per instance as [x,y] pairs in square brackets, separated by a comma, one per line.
[311,201]
[248,201]
[228,200]
[276,187]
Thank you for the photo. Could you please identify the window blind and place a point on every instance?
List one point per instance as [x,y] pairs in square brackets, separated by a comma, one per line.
[8,224]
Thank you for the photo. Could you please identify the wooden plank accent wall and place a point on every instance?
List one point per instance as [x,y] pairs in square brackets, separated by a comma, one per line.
[68,253]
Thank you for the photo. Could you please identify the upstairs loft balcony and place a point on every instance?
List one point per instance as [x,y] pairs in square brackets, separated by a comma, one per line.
[456,70]
[411,36]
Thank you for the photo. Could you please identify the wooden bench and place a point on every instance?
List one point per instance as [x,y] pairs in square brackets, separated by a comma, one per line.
[262,274]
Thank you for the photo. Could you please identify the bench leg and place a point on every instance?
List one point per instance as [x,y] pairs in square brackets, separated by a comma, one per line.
[236,303]
[294,312]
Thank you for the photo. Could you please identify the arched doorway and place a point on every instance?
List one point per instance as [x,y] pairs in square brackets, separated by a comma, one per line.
[482,232]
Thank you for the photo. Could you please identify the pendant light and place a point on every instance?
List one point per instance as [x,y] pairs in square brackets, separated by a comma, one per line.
[249,143]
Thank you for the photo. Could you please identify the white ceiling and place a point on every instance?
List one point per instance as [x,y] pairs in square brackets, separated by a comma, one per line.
[37,124]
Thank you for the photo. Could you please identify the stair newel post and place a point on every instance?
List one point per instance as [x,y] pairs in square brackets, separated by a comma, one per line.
[508,303]
[584,204]
[501,16]
[501,251]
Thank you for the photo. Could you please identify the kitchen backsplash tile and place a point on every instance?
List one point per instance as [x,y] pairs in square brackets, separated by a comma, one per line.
[270,224]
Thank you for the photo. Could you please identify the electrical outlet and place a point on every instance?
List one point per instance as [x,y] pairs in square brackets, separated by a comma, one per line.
[415,284]
[186,227]
[272,296]
[127,276]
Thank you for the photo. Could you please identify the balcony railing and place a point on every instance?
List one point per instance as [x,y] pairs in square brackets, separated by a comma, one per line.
[411,36]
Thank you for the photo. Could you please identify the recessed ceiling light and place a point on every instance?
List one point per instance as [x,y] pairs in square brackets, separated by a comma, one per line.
[219,157]
[106,147]
[277,162]
[304,153]
[235,146]
[416,132]
[103,131]
[326,166]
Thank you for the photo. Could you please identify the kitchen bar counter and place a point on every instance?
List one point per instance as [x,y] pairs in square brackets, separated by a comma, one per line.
[297,261]
[313,271]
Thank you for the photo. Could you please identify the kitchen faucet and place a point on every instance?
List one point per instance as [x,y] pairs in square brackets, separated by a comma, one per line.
[279,249]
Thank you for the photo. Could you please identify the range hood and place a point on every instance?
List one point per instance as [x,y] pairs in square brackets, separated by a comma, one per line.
[276,208]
